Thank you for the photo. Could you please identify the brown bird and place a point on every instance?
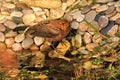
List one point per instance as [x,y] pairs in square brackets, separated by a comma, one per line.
[55,30]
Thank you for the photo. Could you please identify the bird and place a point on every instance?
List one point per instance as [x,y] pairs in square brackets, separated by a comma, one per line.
[54,30]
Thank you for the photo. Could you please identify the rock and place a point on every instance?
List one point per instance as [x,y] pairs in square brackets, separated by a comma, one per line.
[9,42]
[110,10]
[85,9]
[87,37]
[70,2]
[111,14]
[27,42]
[91,46]
[74,25]
[103,1]
[113,18]
[28,18]
[43,3]
[102,8]
[83,26]
[117,21]
[90,16]
[17,47]
[34,47]
[2,28]
[17,19]
[114,39]
[2,18]
[10,24]
[113,30]
[78,39]
[38,40]
[103,21]
[68,17]
[16,14]
[19,38]
[118,9]
[95,6]
[27,11]
[11,33]
[97,38]
[2,37]
[9,5]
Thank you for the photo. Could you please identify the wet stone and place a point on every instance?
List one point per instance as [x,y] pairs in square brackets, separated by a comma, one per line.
[90,16]
[110,10]
[108,27]
[103,21]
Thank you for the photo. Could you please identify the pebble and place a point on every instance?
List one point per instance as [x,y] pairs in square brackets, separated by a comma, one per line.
[17,47]
[85,10]
[113,30]
[2,27]
[34,47]
[43,3]
[2,46]
[16,14]
[114,39]
[110,10]
[91,46]
[9,5]
[38,40]
[2,37]
[97,38]
[27,42]
[2,18]
[10,24]
[70,2]
[19,37]
[118,9]
[95,6]
[117,21]
[103,21]
[28,18]
[78,16]
[74,25]
[68,17]
[111,14]
[9,42]
[17,19]
[83,26]
[90,16]
[102,8]
[113,18]
[87,37]
[103,1]
[11,33]
[27,11]
[78,39]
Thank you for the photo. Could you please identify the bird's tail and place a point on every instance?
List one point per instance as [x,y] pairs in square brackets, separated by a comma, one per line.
[19,28]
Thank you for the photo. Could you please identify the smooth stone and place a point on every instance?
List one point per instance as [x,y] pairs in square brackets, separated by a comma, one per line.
[2,18]
[90,16]
[68,17]
[91,46]
[108,27]
[9,5]
[34,47]
[43,3]
[111,3]
[11,33]
[98,16]
[103,1]
[78,39]
[28,18]
[111,14]
[97,38]
[17,19]
[2,27]
[74,25]
[27,42]
[114,39]
[87,37]
[10,24]
[118,9]
[2,37]
[103,21]
[21,5]
[16,14]
[83,26]
[113,30]
[2,46]
[19,37]
[117,4]
[17,47]
[9,42]
[113,18]
[85,10]
[27,11]
[38,40]
[117,21]
[110,10]
[101,8]
[78,16]
[95,6]
[70,2]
